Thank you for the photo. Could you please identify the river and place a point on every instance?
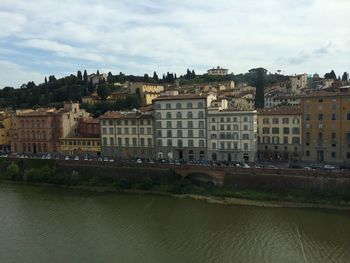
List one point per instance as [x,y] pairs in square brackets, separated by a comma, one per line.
[49,224]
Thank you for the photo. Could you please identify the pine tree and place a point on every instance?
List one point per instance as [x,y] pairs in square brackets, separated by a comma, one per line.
[155,76]
[85,76]
[97,72]
[45,80]
[345,77]
[260,75]
[79,76]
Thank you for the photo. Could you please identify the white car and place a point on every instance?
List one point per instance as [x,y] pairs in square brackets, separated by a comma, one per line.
[76,158]
[329,167]
[139,161]
[66,158]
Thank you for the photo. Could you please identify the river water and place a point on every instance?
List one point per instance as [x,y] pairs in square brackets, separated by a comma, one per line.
[48,224]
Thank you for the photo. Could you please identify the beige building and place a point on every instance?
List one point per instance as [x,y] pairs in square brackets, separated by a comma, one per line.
[180,126]
[326,127]
[232,134]
[298,83]
[80,146]
[279,133]
[127,134]
[218,71]
[5,126]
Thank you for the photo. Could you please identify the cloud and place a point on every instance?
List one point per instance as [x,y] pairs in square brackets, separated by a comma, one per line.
[171,35]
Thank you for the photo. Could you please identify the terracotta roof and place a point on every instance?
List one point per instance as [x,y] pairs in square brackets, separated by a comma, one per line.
[121,115]
[324,94]
[284,110]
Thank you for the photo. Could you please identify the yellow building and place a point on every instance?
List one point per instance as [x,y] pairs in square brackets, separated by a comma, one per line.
[80,146]
[279,133]
[148,92]
[326,128]
[5,138]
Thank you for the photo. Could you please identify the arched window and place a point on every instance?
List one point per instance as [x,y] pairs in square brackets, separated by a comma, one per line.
[191,155]
[149,142]
[43,135]
[189,105]
[189,115]
[142,142]
[178,105]
[178,115]
[200,105]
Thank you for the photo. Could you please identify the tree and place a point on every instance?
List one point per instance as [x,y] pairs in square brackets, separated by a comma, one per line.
[260,76]
[85,76]
[331,75]
[12,171]
[52,78]
[79,76]
[345,77]
[97,72]
[155,76]
[110,77]
[45,80]
[145,78]
[103,91]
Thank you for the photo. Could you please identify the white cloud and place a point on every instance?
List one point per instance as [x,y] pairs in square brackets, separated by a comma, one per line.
[292,35]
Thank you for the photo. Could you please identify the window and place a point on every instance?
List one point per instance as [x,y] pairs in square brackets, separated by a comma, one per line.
[266,130]
[266,139]
[307,126]
[159,124]
[201,114]
[228,119]
[201,125]
[285,130]
[159,134]
[126,122]
[275,121]
[189,115]
[179,133]
[133,130]
[189,105]
[245,146]
[295,130]
[307,153]
[157,106]
[141,122]
[104,141]
[169,143]
[285,139]
[245,119]
[334,136]
[149,130]
[201,143]
[333,154]
[320,117]
[190,133]
[168,124]
[348,116]
[285,121]
[111,141]
[334,116]
[142,130]
[159,143]
[222,127]
[168,106]
[275,140]
[266,121]
[149,142]
[120,141]
[104,131]
[213,127]
[307,117]
[168,115]
[296,140]
[179,124]
[179,143]
[190,143]
[158,116]
[178,115]
[275,130]
[201,133]
[200,105]
[190,124]
[213,145]
[126,130]
[178,106]
[134,142]
[169,133]
[245,136]
[126,141]
[142,142]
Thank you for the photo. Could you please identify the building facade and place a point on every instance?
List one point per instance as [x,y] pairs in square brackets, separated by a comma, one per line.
[218,71]
[326,127]
[80,146]
[279,133]
[127,135]
[5,139]
[298,83]
[39,131]
[89,128]
[232,135]
[148,92]
[181,126]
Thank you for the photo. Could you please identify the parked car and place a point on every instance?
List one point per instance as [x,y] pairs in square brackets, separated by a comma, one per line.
[139,161]
[329,167]
[66,158]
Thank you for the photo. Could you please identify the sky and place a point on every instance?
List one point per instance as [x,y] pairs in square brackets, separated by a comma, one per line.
[39,38]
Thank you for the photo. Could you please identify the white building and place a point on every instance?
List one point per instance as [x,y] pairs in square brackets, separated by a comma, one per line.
[180,126]
[232,134]
[218,71]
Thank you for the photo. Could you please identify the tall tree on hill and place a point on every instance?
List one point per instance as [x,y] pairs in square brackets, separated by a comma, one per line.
[97,72]
[45,80]
[259,75]
[52,78]
[345,77]
[146,78]
[103,91]
[110,77]
[155,76]
[331,75]
[85,76]
[79,76]
[193,74]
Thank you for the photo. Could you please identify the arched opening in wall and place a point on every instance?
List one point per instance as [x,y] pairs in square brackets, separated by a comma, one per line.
[190,155]
[229,158]
[201,155]
[246,157]
[213,157]
[34,148]
[181,155]
[160,155]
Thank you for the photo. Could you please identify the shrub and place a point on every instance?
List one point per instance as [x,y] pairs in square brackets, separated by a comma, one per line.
[12,172]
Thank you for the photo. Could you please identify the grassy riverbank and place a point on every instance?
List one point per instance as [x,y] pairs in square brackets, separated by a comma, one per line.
[170,184]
